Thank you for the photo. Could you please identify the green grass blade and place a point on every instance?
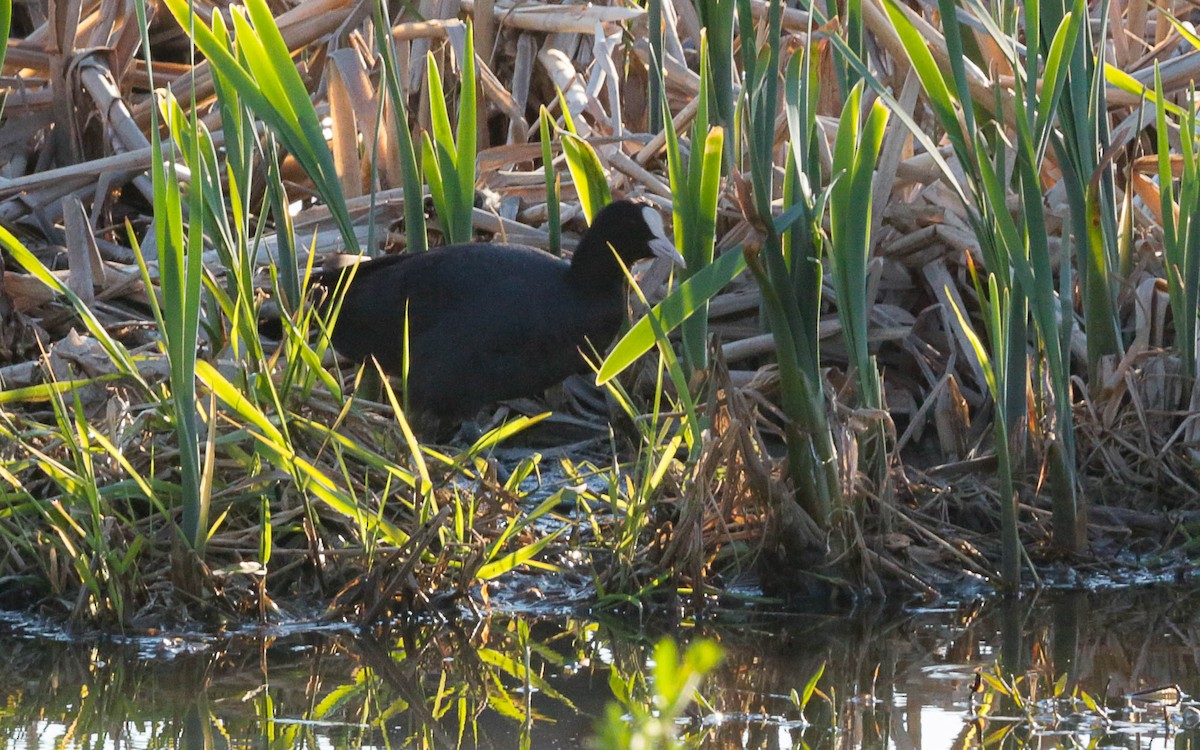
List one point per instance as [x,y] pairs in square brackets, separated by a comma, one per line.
[553,205]
[439,114]
[1054,78]
[271,87]
[716,17]
[116,352]
[180,274]
[512,560]
[467,134]
[931,77]
[5,30]
[587,173]
[1121,80]
[568,121]
[952,33]
[685,300]
[432,168]
[5,27]
[414,204]
[654,116]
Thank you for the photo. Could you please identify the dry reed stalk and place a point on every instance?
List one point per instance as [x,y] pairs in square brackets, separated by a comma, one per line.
[557,19]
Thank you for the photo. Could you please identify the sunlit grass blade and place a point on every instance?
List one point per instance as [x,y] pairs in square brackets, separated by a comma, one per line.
[5,27]
[695,193]
[936,88]
[180,277]
[272,88]
[855,155]
[116,352]
[453,159]
[587,174]
[45,391]
[684,301]
[410,438]
[278,450]
[995,315]
[510,561]
[1054,78]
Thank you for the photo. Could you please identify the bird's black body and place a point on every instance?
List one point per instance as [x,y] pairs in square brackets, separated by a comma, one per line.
[488,322]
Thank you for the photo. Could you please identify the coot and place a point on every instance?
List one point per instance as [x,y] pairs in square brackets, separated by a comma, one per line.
[488,321]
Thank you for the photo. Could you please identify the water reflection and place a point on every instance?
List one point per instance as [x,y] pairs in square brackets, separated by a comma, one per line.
[891,680]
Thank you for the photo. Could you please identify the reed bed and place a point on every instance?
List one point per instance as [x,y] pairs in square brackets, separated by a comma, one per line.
[938,323]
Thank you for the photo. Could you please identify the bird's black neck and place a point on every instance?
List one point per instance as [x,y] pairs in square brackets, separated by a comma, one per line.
[595,266]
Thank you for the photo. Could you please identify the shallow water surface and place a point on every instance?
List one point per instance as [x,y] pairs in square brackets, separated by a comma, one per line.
[1057,670]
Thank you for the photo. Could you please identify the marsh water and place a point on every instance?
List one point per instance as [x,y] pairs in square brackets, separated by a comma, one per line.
[1107,668]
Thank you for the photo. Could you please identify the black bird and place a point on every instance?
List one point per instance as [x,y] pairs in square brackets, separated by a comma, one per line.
[488,322]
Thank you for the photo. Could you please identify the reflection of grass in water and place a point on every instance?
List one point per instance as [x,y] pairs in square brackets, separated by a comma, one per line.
[428,684]
[221,478]
[646,715]
[830,681]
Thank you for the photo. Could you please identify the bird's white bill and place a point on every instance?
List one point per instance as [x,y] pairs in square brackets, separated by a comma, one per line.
[664,248]
[661,245]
